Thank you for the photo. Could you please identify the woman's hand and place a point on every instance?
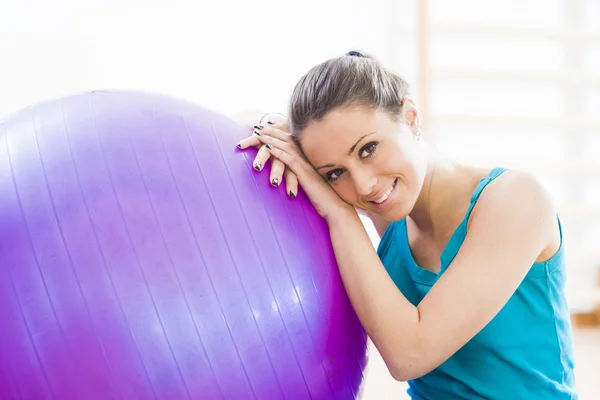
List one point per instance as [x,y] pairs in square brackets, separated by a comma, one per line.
[281,146]
[278,169]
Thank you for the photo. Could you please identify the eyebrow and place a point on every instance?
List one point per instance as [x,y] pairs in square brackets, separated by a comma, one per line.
[349,152]
[357,142]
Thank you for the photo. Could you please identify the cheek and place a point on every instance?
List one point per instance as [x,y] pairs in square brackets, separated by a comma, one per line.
[411,164]
[400,159]
[345,189]
[418,170]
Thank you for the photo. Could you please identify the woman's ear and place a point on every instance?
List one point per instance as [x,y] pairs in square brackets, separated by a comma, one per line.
[410,115]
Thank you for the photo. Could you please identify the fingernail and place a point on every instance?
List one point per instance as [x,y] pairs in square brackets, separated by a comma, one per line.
[257,166]
[269,122]
[292,195]
[239,146]
[257,133]
[267,146]
[275,182]
[259,127]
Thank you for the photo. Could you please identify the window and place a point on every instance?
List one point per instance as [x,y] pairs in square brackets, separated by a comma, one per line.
[516,83]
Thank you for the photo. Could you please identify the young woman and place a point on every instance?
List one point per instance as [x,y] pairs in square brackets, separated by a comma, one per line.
[464,298]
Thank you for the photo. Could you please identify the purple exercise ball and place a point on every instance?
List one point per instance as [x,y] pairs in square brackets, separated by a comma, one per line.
[142,257]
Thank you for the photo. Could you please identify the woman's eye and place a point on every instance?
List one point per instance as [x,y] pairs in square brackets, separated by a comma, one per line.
[368,150]
[334,174]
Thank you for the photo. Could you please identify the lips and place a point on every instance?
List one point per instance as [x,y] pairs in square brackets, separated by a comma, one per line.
[384,196]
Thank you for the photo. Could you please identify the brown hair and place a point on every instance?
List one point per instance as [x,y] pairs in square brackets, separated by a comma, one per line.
[351,80]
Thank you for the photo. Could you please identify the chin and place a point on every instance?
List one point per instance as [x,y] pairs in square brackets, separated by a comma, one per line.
[392,215]
[397,215]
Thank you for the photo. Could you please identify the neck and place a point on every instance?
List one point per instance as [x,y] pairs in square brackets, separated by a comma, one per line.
[445,185]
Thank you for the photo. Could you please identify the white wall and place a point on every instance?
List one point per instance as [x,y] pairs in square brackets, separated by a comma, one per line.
[227,55]
[516,83]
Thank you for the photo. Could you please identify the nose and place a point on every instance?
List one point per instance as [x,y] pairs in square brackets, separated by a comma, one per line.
[364,181]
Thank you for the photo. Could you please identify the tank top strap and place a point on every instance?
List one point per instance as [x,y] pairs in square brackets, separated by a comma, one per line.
[461,231]
[496,172]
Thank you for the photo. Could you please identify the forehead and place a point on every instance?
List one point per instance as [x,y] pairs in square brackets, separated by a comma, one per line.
[338,130]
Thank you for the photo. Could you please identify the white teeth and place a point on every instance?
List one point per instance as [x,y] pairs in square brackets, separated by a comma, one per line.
[386,194]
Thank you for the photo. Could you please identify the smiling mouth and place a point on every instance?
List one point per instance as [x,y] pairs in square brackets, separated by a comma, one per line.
[385,196]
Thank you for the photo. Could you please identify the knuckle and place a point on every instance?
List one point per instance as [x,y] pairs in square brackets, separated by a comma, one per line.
[263,158]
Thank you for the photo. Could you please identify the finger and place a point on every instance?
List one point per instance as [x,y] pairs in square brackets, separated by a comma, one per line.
[274,132]
[288,159]
[275,143]
[261,158]
[276,119]
[281,126]
[249,142]
[291,183]
[284,126]
[277,168]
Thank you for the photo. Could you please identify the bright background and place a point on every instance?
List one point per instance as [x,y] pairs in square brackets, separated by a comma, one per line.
[512,82]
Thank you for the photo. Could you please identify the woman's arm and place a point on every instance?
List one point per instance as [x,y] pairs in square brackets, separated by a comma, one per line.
[389,319]
[512,223]
[510,226]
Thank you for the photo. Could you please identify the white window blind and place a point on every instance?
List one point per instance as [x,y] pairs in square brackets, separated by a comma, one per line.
[516,83]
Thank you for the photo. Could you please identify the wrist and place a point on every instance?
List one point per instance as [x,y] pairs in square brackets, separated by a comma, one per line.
[341,215]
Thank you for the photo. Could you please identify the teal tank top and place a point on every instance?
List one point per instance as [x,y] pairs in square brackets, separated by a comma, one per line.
[524,353]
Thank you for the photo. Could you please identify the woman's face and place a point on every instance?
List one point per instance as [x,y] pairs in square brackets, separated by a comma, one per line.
[371,161]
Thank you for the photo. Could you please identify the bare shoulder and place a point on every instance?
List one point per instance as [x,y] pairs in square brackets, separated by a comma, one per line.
[518,198]
[516,189]
[517,184]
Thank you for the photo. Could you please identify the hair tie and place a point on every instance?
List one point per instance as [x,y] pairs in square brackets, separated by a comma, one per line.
[354,53]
